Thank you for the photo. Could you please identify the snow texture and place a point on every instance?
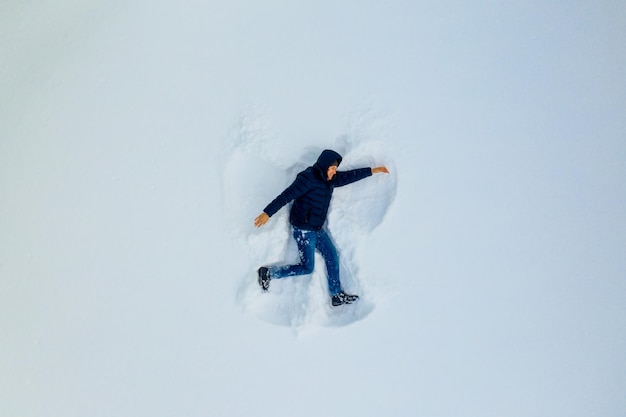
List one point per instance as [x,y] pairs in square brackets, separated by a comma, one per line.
[139,140]
[252,171]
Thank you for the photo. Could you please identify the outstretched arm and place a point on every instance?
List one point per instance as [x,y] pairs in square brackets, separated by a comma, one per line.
[348,177]
[296,189]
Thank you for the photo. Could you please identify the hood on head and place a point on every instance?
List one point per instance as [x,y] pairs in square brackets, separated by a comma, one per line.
[327,158]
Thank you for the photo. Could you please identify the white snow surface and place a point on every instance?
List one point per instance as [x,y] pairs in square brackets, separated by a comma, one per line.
[252,171]
[139,140]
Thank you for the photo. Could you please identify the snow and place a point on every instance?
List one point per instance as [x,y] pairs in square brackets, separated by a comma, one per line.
[139,141]
[250,175]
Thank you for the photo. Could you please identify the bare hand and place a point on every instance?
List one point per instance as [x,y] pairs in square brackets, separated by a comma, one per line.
[378,170]
[261,219]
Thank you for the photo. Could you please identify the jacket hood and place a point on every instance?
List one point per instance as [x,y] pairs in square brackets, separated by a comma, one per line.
[326,159]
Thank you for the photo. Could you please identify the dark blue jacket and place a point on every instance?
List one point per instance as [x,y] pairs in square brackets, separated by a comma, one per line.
[311,191]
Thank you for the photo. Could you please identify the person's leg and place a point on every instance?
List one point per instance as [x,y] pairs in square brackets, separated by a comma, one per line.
[328,251]
[305,239]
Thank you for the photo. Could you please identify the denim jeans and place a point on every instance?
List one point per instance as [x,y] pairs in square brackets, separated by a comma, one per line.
[308,241]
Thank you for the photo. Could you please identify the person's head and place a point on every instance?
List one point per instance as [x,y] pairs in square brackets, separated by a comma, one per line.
[327,163]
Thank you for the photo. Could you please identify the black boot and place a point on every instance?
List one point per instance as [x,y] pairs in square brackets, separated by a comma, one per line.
[343,298]
[264,278]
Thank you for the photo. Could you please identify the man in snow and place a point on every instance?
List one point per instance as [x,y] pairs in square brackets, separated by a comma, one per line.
[311,193]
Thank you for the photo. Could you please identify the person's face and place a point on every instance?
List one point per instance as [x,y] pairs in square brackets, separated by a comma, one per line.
[332,170]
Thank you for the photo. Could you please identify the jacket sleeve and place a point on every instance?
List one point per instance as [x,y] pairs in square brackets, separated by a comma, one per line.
[295,190]
[348,177]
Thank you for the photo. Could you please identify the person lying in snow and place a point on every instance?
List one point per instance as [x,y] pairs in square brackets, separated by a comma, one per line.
[311,193]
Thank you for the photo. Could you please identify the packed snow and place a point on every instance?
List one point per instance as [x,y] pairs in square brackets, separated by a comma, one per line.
[253,170]
[139,140]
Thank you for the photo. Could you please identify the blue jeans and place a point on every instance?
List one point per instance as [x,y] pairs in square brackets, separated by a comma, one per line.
[308,241]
